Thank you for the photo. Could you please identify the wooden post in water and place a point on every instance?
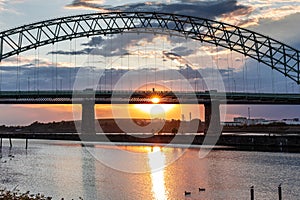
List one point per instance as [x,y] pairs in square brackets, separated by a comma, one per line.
[26,146]
[10,143]
[1,144]
[279,192]
[252,192]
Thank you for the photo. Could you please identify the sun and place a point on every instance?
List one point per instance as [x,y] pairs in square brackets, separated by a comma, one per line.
[155,100]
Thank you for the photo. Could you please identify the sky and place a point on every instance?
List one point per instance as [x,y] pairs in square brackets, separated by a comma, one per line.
[165,60]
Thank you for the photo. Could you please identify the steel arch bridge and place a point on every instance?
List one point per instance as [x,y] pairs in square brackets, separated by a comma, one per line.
[275,54]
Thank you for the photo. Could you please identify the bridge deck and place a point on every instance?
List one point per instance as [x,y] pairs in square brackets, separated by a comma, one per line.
[143,97]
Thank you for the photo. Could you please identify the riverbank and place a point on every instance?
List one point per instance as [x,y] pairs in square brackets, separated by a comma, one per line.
[259,142]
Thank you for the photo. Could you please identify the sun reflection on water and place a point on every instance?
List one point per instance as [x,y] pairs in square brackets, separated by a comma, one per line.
[157,161]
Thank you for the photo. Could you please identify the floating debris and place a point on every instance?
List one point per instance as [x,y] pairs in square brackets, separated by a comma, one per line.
[16,195]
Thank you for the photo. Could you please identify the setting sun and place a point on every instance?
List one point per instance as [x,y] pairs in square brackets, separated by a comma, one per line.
[155,100]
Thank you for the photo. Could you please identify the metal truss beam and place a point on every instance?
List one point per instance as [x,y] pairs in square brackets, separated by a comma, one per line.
[264,49]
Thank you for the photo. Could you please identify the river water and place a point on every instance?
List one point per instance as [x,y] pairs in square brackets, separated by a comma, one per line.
[100,171]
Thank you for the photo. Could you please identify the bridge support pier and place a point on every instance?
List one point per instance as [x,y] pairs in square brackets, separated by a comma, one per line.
[212,123]
[88,117]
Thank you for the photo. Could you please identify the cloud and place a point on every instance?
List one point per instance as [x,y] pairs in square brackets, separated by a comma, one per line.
[94,42]
[183,51]
[31,61]
[209,9]
[88,5]
[116,45]
[254,11]
[5,6]
[286,29]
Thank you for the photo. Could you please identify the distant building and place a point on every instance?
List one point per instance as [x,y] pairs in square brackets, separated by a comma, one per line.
[294,121]
[256,121]
[241,120]
[231,124]
[262,121]
[253,121]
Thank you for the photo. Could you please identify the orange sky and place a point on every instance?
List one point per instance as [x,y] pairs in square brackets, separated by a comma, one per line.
[26,114]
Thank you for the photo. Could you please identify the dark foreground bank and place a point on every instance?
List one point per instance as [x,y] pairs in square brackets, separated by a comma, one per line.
[289,143]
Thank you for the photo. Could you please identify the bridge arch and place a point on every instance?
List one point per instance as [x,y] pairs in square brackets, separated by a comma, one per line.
[275,54]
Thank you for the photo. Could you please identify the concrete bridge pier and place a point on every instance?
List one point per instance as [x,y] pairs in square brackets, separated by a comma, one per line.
[88,117]
[212,123]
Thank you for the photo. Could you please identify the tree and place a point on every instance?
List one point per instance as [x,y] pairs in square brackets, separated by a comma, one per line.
[174,131]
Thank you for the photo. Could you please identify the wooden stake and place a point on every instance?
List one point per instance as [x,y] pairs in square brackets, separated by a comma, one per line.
[10,143]
[26,143]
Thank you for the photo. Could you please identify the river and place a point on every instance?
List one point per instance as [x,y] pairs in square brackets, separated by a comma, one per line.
[101,171]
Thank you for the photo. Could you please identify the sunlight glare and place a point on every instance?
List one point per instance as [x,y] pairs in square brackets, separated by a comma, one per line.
[150,108]
[155,100]
[157,160]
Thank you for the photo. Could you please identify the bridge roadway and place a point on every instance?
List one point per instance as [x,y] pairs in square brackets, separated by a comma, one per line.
[144,97]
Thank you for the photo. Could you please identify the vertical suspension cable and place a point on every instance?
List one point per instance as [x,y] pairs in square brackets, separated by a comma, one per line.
[138,63]
[37,73]
[228,72]
[243,65]
[212,67]
[93,72]
[246,74]
[163,61]
[155,66]
[28,84]
[196,78]
[105,63]
[1,76]
[217,63]
[75,63]
[56,70]
[34,71]
[286,85]
[121,61]
[258,77]
[187,71]
[88,69]
[128,52]
[145,50]
[111,62]
[18,75]
[202,66]
[70,67]
[273,80]
[52,68]
[171,86]
[233,86]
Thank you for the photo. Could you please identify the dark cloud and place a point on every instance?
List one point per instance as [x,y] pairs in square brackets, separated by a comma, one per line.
[87,4]
[208,9]
[61,52]
[183,51]
[115,45]
[94,42]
